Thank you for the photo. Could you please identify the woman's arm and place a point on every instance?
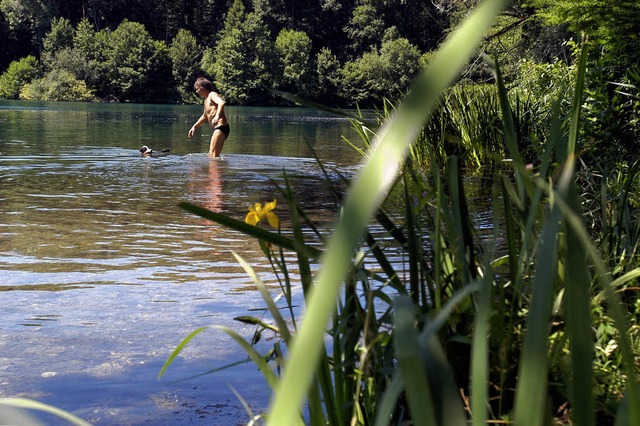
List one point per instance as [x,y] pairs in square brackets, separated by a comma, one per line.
[201,120]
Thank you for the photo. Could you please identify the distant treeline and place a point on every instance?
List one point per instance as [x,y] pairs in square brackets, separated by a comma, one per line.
[337,52]
[141,51]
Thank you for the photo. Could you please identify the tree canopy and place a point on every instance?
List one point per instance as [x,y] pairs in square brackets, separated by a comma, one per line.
[339,52]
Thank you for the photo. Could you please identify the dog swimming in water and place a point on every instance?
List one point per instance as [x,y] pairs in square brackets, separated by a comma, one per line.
[145,151]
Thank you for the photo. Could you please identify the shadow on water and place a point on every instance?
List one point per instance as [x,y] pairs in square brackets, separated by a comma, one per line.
[108,394]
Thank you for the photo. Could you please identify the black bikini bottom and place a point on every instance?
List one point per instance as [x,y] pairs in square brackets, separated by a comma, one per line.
[225,129]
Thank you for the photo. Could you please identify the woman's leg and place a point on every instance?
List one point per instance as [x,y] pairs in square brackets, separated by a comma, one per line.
[217,142]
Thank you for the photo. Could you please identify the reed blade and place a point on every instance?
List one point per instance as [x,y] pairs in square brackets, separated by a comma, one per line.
[363,200]
[30,404]
[579,323]
[410,364]
[531,390]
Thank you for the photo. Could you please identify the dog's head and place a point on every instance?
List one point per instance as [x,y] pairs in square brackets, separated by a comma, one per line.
[145,151]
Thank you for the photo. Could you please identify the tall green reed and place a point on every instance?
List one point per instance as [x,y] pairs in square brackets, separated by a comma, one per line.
[360,205]
[454,320]
[467,124]
[567,259]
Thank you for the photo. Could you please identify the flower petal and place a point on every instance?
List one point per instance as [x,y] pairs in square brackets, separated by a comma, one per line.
[269,206]
[273,219]
[252,218]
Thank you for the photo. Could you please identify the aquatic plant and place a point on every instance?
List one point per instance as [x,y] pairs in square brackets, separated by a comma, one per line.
[457,329]
[257,214]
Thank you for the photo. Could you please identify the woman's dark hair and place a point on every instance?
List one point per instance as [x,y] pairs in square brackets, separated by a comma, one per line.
[203,82]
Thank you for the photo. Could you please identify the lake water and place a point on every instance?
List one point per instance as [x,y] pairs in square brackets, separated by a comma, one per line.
[102,275]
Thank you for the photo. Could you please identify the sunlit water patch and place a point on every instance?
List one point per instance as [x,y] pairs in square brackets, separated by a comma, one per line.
[102,273]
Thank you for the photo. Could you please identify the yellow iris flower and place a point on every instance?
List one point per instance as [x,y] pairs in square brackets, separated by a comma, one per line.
[258,213]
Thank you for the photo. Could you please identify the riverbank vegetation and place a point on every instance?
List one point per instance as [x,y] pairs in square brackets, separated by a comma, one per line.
[430,324]
[538,324]
[338,53]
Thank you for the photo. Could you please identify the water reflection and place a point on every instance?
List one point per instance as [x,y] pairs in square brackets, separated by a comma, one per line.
[205,182]
[102,273]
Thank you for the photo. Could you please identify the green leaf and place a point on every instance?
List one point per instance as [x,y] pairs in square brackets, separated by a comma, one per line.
[410,364]
[256,321]
[577,100]
[30,404]
[389,400]
[614,307]
[257,359]
[480,355]
[579,322]
[531,390]
[363,200]
[271,305]
[179,349]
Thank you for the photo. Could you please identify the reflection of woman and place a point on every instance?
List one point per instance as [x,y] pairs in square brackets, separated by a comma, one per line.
[205,188]
[213,199]
[206,185]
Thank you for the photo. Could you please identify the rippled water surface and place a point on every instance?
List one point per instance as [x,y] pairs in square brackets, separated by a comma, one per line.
[102,274]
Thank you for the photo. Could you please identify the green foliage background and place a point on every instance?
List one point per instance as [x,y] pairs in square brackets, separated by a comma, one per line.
[343,53]
[338,52]
[564,317]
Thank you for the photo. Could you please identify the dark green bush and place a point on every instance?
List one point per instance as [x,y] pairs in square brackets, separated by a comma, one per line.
[380,74]
[17,75]
[60,36]
[185,57]
[138,66]
[327,78]
[57,85]
[295,70]
[241,62]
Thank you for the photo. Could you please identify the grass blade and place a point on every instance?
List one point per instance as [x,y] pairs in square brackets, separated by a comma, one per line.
[255,356]
[25,403]
[461,224]
[271,305]
[480,355]
[531,391]
[579,323]
[245,405]
[179,349]
[364,199]
[577,100]
[615,309]
[387,405]
[410,364]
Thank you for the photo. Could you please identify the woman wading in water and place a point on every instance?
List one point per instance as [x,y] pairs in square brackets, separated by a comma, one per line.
[213,114]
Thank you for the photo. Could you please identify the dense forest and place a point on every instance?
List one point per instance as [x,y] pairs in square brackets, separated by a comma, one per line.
[338,52]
